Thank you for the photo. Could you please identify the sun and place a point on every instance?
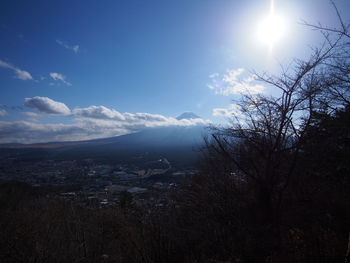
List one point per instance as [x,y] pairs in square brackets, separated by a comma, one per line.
[271,29]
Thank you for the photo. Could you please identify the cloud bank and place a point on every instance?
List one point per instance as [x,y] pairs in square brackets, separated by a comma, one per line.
[98,112]
[82,123]
[31,132]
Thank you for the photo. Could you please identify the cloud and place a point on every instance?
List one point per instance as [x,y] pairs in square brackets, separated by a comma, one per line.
[20,74]
[74,48]
[32,132]
[59,77]
[232,82]
[131,120]
[30,114]
[98,112]
[47,105]
[141,119]
[137,121]
[214,75]
[9,107]
[80,129]
[82,123]
[3,112]
[230,111]
[144,117]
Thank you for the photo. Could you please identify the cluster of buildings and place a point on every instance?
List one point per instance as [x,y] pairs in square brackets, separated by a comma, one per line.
[95,184]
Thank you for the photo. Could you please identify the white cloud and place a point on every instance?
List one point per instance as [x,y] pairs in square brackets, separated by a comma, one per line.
[144,117]
[31,116]
[132,121]
[74,48]
[138,121]
[230,111]
[127,119]
[47,105]
[233,83]
[31,132]
[59,77]
[232,75]
[214,75]
[80,129]
[88,123]
[20,74]
[3,112]
[98,112]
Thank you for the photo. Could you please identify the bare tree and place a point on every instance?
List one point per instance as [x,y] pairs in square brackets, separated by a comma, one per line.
[336,73]
[265,137]
[260,150]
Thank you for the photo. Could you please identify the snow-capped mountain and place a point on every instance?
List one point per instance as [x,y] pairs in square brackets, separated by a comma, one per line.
[173,142]
[188,115]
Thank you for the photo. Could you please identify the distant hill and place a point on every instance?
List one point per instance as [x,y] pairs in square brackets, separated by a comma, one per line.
[175,143]
[179,144]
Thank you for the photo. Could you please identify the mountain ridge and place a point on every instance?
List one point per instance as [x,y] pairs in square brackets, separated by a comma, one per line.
[178,144]
[59,144]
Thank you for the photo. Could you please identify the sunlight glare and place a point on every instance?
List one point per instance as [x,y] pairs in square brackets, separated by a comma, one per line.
[271,29]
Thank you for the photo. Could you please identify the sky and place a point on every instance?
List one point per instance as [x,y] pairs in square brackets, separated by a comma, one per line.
[76,70]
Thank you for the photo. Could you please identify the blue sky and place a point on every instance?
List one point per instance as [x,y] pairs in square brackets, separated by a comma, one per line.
[86,69]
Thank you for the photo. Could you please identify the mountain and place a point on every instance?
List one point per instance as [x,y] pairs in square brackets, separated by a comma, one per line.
[178,144]
[187,115]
